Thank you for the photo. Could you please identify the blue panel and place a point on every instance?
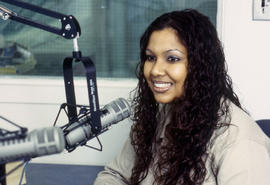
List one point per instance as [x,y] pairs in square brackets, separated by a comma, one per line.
[51,174]
[265,126]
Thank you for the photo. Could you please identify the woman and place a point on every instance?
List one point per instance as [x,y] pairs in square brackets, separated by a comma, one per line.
[189,127]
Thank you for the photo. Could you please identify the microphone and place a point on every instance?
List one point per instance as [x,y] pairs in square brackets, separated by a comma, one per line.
[39,142]
[80,132]
[52,140]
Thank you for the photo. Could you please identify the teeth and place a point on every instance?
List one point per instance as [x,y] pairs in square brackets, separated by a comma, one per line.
[162,85]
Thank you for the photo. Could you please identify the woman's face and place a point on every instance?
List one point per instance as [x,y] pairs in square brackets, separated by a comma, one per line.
[165,68]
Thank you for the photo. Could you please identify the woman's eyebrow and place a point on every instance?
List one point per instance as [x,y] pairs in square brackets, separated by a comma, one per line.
[167,51]
[177,50]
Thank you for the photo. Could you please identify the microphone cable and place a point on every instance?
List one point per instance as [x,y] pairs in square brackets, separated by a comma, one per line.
[23,172]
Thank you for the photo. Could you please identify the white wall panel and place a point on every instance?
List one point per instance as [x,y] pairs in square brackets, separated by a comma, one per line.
[246,45]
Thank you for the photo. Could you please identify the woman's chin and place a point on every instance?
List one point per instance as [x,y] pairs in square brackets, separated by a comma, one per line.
[163,99]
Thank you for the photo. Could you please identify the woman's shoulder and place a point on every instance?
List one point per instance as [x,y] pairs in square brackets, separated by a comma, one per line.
[245,127]
[242,127]
[239,149]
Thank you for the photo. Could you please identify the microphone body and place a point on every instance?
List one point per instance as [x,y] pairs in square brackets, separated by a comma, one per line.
[39,142]
[53,140]
[111,113]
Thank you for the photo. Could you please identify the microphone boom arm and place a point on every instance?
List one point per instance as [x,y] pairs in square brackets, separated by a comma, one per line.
[70,28]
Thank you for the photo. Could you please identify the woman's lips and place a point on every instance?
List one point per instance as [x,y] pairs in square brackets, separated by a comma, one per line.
[160,86]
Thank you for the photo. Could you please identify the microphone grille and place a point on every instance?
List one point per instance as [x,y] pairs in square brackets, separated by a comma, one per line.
[121,103]
[114,112]
[50,140]
[115,107]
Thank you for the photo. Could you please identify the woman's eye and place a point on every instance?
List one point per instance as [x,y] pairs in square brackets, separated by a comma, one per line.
[173,59]
[150,58]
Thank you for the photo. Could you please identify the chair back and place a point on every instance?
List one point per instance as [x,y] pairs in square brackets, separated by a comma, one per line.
[265,126]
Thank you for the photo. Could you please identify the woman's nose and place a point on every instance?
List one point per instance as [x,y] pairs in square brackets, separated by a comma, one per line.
[158,68]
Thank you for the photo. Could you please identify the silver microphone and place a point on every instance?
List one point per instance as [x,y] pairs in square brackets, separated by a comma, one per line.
[52,140]
[111,113]
[39,142]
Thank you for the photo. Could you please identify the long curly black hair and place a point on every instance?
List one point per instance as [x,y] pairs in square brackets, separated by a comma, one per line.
[194,116]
